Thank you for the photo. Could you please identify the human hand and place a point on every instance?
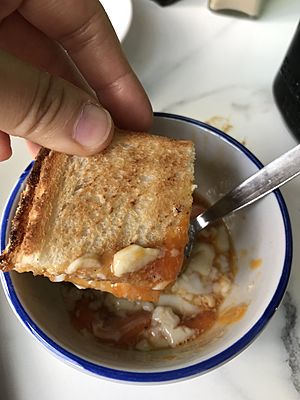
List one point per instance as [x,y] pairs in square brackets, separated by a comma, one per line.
[43,96]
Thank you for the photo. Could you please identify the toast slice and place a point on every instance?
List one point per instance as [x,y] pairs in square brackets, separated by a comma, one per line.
[117,221]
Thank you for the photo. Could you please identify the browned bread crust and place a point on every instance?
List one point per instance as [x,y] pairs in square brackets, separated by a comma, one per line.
[21,217]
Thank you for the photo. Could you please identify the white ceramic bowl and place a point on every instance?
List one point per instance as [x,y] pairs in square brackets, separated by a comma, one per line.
[120,15]
[261,231]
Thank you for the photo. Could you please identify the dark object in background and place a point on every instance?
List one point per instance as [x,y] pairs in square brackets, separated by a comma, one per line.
[286,86]
[165,2]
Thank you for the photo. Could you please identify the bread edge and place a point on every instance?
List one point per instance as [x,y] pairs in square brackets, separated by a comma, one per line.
[21,216]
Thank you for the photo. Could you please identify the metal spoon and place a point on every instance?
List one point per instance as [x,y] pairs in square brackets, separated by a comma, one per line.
[263,182]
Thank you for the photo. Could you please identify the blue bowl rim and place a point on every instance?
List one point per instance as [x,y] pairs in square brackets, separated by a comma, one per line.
[164,376]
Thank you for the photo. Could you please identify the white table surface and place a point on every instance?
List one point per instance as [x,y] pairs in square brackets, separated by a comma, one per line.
[213,67]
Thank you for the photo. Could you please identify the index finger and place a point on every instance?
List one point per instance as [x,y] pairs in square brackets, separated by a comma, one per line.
[84,30]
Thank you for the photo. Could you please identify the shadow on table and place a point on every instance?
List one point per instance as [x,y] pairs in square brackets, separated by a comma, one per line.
[7,389]
[8,378]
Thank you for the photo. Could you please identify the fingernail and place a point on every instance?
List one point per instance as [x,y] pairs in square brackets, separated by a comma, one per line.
[93,126]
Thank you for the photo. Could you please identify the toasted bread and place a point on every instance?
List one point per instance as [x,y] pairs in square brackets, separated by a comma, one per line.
[77,213]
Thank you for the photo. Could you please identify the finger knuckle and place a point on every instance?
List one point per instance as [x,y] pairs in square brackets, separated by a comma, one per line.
[83,35]
[43,110]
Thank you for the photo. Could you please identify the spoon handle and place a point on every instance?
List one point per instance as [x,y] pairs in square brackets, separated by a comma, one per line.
[267,179]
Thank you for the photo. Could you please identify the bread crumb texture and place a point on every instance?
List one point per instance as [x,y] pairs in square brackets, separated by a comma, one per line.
[137,191]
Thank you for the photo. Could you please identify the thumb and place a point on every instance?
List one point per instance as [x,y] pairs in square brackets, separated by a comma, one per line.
[50,111]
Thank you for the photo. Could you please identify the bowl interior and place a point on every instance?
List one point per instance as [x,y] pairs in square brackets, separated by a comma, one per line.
[260,232]
[120,15]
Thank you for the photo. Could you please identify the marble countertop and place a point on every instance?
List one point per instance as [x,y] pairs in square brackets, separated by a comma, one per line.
[217,68]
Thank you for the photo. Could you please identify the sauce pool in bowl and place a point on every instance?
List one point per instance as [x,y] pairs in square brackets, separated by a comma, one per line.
[185,310]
